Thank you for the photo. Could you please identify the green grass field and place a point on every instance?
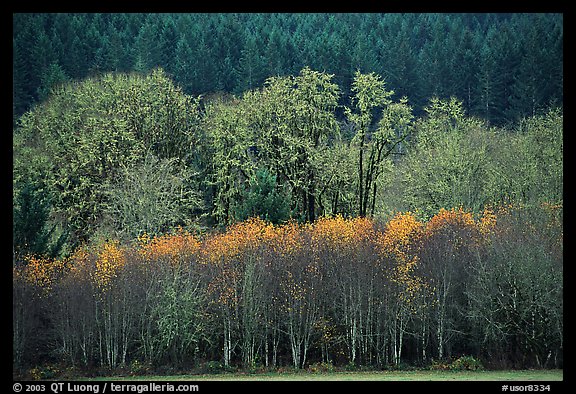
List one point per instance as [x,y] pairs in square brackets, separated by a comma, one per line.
[508,375]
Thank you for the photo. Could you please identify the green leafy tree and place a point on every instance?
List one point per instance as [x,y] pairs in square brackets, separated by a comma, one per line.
[373,146]
[228,140]
[448,161]
[85,132]
[295,119]
[528,163]
[336,194]
[150,197]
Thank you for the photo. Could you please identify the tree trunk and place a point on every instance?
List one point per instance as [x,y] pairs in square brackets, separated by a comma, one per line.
[227,342]
[362,208]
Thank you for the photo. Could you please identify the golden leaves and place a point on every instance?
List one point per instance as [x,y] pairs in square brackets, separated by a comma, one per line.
[285,240]
[460,226]
[174,248]
[301,256]
[237,239]
[487,221]
[41,272]
[445,218]
[399,234]
[342,234]
[110,260]
[399,242]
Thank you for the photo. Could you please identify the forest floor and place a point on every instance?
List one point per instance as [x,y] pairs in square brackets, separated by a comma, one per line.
[419,375]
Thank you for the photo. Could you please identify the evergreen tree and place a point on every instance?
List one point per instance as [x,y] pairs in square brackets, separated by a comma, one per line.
[264,200]
[52,77]
[167,45]
[147,54]
[490,90]
[502,66]
[532,87]
[466,69]
[20,80]
[30,220]
[274,53]
[184,72]
[206,80]
[251,65]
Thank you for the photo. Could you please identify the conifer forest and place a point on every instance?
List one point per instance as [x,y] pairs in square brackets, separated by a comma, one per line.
[224,191]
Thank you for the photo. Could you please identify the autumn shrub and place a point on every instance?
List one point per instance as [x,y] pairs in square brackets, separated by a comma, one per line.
[34,279]
[466,363]
[321,367]
[449,244]
[41,272]
[347,267]
[109,261]
[44,372]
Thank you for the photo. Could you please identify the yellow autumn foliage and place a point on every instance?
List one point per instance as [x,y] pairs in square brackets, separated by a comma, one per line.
[110,260]
[399,241]
[173,247]
[445,218]
[41,272]
[340,233]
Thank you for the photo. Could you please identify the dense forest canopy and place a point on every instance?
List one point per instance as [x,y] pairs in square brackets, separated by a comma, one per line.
[501,66]
[252,190]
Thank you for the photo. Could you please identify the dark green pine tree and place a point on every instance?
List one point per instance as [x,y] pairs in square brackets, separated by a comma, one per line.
[363,57]
[167,44]
[184,70]
[466,67]
[53,76]
[30,228]
[33,53]
[534,85]
[501,66]
[21,96]
[62,35]
[147,46]
[251,66]
[80,53]
[495,72]
[227,74]
[555,60]
[399,57]
[273,53]
[434,58]
[264,200]
[205,69]
[111,54]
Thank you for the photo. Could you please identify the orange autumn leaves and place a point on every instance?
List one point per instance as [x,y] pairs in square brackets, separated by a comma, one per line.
[111,259]
[39,272]
[399,242]
[174,248]
[396,245]
[341,233]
